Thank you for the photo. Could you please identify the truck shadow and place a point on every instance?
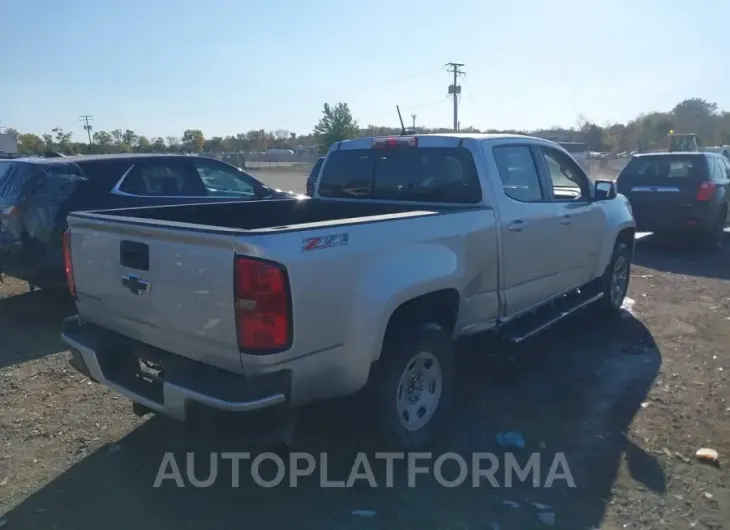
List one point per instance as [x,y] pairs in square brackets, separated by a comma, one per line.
[30,325]
[574,391]
[683,257]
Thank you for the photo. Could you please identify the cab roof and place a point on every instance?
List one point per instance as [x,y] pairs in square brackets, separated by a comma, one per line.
[91,158]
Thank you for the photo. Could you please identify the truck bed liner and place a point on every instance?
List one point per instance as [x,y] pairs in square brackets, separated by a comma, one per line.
[262,214]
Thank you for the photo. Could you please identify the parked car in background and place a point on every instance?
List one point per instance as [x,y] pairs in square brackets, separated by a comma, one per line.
[409,243]
[679,193]
[312,178]
[37,194]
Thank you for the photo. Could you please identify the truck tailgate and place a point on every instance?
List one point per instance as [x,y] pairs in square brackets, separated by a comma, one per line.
[172,289]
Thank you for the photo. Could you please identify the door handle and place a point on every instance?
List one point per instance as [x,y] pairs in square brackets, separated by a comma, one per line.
[566,219]
[516,226]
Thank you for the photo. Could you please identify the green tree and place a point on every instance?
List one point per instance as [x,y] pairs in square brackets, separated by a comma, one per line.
[173,143]
[129,140]
[158,145]
[63,139]
[47,142]
[257,140]
[103,141]
[143,145]
[213,145]
[30,144]
[336,124]
[193,140]
[117,137]
[593,136]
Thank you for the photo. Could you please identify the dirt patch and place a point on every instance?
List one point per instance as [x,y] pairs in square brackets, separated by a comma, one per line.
[628,402]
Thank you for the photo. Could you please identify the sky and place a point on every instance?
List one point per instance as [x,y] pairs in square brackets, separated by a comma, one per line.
[159,67]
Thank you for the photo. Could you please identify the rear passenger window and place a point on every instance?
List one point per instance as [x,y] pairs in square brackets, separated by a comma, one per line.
[675,166]
[518,173]
[679,169]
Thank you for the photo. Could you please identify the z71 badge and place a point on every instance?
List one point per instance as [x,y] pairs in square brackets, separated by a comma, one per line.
[332,240]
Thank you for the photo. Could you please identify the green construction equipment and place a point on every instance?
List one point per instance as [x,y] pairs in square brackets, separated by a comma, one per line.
[688,142]
[683,142]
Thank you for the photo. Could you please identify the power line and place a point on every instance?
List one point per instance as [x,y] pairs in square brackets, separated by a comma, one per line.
[471,94]
[391,113]
[86,118]
[455,89]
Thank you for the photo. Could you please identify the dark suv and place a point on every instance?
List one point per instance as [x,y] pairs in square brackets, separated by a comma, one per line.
[678,193]
[36,194]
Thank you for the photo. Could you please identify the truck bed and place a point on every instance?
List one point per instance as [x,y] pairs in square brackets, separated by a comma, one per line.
[263,215]
[184,254]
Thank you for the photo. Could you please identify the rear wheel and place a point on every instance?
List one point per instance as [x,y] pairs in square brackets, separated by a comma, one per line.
[413,385]
[616,279]
[713,236]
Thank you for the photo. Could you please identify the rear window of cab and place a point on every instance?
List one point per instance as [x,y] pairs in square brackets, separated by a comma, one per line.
[429,174]
[667,166]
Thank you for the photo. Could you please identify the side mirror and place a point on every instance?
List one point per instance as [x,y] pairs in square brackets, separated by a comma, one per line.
[604,190]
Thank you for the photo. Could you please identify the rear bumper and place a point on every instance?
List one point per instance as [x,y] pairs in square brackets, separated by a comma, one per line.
[112,360]
[662,219]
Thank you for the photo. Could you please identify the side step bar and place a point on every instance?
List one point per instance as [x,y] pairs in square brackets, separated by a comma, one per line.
[533,323]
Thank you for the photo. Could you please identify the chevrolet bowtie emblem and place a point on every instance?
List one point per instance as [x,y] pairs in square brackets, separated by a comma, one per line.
[136,284]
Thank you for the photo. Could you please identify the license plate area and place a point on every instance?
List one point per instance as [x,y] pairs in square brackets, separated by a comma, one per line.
[149,374]
[137,371]
[150,371]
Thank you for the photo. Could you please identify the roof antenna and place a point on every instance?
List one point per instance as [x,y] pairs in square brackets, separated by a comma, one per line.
[402,127]
[403,130]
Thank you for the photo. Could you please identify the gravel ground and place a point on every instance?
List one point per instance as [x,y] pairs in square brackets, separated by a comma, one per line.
[627,402]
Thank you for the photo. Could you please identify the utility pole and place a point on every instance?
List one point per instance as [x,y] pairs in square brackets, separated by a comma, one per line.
[86,118]
[414,121]
[455,89]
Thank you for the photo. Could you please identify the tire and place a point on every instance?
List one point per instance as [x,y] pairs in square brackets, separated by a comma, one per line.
[424,350]
[712,237]
[616,280]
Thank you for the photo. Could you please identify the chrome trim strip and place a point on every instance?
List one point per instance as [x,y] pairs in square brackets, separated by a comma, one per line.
[673,189]
[115,189]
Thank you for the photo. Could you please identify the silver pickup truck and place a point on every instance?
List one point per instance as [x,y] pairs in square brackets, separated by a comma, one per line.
[408,243]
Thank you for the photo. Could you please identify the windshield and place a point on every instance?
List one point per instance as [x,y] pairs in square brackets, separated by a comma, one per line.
[436,174]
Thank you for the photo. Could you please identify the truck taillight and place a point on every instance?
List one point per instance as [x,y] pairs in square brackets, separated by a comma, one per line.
[707,190]
[262,306]
[68,263]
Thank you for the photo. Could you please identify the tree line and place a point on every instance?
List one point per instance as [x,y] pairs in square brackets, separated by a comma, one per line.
[644,133]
